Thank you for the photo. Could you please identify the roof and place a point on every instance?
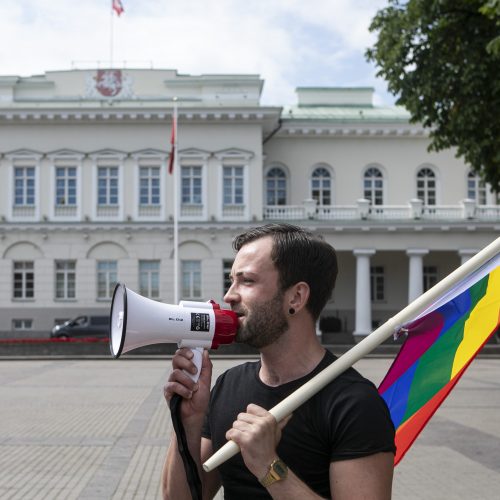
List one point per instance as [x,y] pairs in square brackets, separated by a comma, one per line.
[343,114]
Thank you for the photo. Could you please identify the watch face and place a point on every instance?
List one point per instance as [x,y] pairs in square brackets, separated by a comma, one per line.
[280,469]
[277,471]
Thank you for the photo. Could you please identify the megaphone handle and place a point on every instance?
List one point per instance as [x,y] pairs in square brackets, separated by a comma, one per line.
[197,360]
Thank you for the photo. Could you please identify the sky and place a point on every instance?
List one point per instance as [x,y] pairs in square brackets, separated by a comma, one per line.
[289,43]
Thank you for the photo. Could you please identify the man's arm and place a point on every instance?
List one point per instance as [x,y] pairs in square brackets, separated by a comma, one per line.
[367,477]
[257,434]
[193,408]
[174,482]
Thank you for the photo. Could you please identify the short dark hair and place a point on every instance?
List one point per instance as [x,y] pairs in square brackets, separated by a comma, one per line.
[299,255]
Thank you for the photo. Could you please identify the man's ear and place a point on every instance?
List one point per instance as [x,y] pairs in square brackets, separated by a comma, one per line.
[298,296]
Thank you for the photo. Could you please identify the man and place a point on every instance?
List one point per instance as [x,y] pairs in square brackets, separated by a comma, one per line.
[339,444]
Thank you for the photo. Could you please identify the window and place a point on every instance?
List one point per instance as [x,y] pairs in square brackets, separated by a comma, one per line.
[377,283]
[373,186]
[24,280]
[233,178]
[66,186]
[233,183]
[149,185]
[149,278]
[99,320]
[276,187]
[191,279]
[106,278]
[430,277]
[321,186]
[226,278]
[22,324]
[426,186]
[24,186]
[60,321]
[476,188]
[191,185]
[65,279]
[107,186]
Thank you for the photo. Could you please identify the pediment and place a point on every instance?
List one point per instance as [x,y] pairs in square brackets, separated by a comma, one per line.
[194,153]
[65,153]
[23,153]
[149,153]
[234,153]
[108,153]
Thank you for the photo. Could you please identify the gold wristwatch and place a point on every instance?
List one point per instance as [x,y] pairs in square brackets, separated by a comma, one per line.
[277,472]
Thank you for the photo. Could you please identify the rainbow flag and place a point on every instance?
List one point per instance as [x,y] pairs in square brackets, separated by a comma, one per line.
[440,345]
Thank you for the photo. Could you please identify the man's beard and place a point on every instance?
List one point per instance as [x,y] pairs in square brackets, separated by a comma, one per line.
[264,324]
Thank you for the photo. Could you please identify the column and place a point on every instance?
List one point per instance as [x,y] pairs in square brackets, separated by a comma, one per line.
[310,208]
[466,254]
[416,272]
[363,318]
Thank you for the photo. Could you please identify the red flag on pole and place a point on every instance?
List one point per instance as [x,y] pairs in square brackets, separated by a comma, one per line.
[117,6]
[172,144]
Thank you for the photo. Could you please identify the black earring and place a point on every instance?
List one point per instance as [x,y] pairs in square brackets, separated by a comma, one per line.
[291,311]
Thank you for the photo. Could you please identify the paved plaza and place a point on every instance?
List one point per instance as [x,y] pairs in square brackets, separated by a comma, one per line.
[99,428]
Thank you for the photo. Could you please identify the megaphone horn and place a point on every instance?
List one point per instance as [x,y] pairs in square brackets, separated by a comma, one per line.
[137,321]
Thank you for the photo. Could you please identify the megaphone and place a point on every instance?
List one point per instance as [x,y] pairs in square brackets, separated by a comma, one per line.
[137,321]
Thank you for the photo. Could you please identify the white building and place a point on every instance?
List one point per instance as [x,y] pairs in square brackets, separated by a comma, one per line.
[87,199]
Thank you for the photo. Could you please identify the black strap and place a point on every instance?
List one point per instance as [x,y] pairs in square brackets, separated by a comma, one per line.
[190,467]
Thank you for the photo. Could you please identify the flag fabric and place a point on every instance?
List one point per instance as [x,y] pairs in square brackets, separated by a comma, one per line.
[440,345]
[173,135]
[117,6]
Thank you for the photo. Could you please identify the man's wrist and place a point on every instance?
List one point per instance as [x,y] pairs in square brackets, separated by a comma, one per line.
[277,471]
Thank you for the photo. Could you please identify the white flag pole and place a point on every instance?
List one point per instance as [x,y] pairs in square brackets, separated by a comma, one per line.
[393,325]
[111,38]
[176,207]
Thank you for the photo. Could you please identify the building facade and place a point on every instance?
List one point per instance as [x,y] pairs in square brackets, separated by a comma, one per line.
[87,199]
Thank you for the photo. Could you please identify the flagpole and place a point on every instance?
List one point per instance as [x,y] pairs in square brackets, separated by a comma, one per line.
[364,347]
[111,39]
[176,207]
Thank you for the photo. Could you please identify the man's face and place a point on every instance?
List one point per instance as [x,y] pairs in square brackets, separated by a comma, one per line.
[255,295]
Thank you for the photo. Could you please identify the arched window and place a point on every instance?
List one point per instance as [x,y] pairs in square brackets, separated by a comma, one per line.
[373,186]
[321,186]
[476,188]
[426,186]
[276,188]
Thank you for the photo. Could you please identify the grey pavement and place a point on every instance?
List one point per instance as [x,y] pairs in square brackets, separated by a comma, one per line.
[99,428]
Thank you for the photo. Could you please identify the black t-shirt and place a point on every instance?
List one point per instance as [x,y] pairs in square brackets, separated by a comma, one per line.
[347,419]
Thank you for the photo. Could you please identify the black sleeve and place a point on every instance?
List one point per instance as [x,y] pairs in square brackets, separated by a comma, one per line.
[360,425]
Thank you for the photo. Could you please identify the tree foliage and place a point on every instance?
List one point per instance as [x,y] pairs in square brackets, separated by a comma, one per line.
[491,9]
[441,58]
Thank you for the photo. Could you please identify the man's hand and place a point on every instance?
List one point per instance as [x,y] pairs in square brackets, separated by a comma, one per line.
[257,434]
[196,394]
[196,397]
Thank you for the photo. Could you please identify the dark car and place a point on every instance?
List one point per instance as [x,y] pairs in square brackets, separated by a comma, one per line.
[83,326]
